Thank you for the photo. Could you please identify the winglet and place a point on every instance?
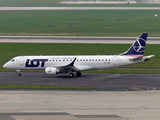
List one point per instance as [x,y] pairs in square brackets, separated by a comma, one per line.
[138,47]
[72,63]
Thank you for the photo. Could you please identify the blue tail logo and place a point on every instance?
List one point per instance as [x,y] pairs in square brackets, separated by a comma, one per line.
[138,46]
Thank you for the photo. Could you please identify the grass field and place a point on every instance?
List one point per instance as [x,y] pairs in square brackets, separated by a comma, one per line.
[20,3]
[40,87]
[10,50]
[82,23]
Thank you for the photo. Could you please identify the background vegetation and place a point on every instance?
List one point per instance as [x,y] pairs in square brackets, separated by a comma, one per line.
[80,22]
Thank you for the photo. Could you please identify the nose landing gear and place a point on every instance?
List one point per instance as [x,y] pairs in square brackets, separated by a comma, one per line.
[19,72]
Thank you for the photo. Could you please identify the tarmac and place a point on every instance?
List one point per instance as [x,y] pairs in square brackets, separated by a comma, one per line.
[74,39]
[110,101]
[79,8]
[79,105]
[97,81]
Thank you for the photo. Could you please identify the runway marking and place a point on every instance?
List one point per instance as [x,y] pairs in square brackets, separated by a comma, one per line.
[60,99]
[106,77]
[98,116]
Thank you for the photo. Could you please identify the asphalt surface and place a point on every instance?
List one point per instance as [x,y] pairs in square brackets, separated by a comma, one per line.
[100,81]
[79,8]
[79,105]
[73,39]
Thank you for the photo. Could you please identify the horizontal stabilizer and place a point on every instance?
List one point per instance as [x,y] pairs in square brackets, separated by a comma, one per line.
[145,58]
[136,59]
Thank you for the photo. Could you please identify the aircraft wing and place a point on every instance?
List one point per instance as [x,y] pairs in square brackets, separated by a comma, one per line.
[69,67]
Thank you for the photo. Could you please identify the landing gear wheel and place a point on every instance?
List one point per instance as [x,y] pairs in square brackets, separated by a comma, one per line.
[78,74]
[19,74]
[71,75]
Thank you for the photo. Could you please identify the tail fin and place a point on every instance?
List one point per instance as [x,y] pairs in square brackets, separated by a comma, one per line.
[138,47]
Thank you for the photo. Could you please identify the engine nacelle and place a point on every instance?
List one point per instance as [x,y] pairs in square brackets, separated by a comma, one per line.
[51,71]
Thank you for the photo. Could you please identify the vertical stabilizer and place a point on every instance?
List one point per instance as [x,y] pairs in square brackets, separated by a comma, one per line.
[138,47]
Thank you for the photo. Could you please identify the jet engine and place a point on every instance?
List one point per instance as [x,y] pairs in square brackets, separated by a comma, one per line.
[51,71]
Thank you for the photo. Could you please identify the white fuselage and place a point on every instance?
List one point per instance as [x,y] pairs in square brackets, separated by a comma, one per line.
[72,65]
[84,62]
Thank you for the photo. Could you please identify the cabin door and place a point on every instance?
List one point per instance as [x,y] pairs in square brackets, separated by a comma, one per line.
[21,61]
[115,60]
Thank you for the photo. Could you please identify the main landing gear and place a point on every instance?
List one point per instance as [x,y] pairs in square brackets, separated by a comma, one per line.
[19,72]
[78,74]
[71,75]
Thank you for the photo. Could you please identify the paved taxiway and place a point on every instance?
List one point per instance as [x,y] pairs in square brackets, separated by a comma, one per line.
[110,99]
[79,105]
[100,81]
[73,39]
[79,8]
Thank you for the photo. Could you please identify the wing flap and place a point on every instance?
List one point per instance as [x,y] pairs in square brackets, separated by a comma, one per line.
[83,67]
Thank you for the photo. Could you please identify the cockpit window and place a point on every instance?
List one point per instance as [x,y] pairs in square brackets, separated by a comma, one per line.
[12,60]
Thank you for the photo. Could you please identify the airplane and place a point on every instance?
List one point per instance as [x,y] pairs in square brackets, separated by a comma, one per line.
[73,65]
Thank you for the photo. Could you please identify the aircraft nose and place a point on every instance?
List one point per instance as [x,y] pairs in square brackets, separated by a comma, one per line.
[5,65]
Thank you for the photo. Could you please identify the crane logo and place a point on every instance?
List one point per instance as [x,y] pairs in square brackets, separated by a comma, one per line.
[139,45]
